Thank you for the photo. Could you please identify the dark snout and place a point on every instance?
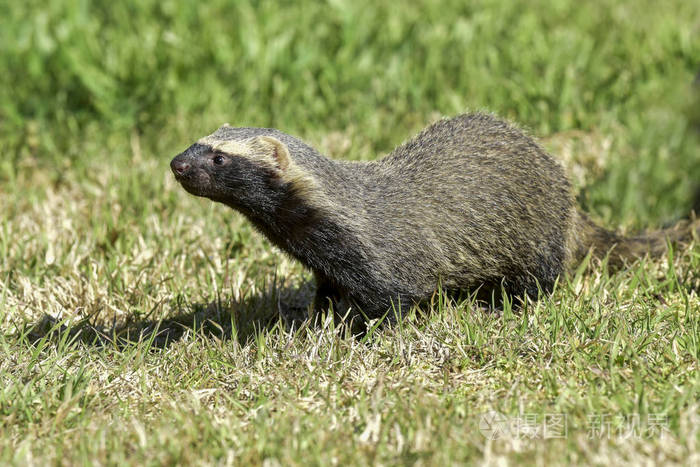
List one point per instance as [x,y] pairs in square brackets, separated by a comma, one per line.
[179,166]
[188,171]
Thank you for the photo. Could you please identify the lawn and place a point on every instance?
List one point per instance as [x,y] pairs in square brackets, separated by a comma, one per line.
[141,325]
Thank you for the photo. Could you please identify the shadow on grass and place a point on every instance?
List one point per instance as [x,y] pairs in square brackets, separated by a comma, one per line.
[241,319]
[219,319]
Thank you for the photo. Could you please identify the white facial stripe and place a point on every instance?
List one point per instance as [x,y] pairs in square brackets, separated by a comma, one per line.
[226,146]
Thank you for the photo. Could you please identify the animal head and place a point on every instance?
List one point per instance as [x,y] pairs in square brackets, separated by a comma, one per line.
[245,168]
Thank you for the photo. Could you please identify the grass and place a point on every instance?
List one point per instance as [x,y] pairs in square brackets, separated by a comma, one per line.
[141,325]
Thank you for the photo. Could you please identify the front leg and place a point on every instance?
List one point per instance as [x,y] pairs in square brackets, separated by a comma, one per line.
[330,296]
[327,296]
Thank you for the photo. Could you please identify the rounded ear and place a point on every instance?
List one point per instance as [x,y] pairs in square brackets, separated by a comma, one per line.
[278,151]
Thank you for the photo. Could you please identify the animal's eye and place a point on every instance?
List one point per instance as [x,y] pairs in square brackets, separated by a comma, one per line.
[218,160]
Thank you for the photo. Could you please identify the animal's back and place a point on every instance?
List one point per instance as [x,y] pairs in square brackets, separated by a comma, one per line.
[471,200]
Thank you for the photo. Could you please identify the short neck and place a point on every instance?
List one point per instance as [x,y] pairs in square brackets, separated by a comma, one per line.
[286,223]
[315,239]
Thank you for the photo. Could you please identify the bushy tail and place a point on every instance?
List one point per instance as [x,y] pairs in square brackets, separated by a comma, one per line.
[621,249]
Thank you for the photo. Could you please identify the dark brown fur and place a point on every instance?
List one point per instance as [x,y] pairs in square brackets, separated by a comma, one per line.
[469,202]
